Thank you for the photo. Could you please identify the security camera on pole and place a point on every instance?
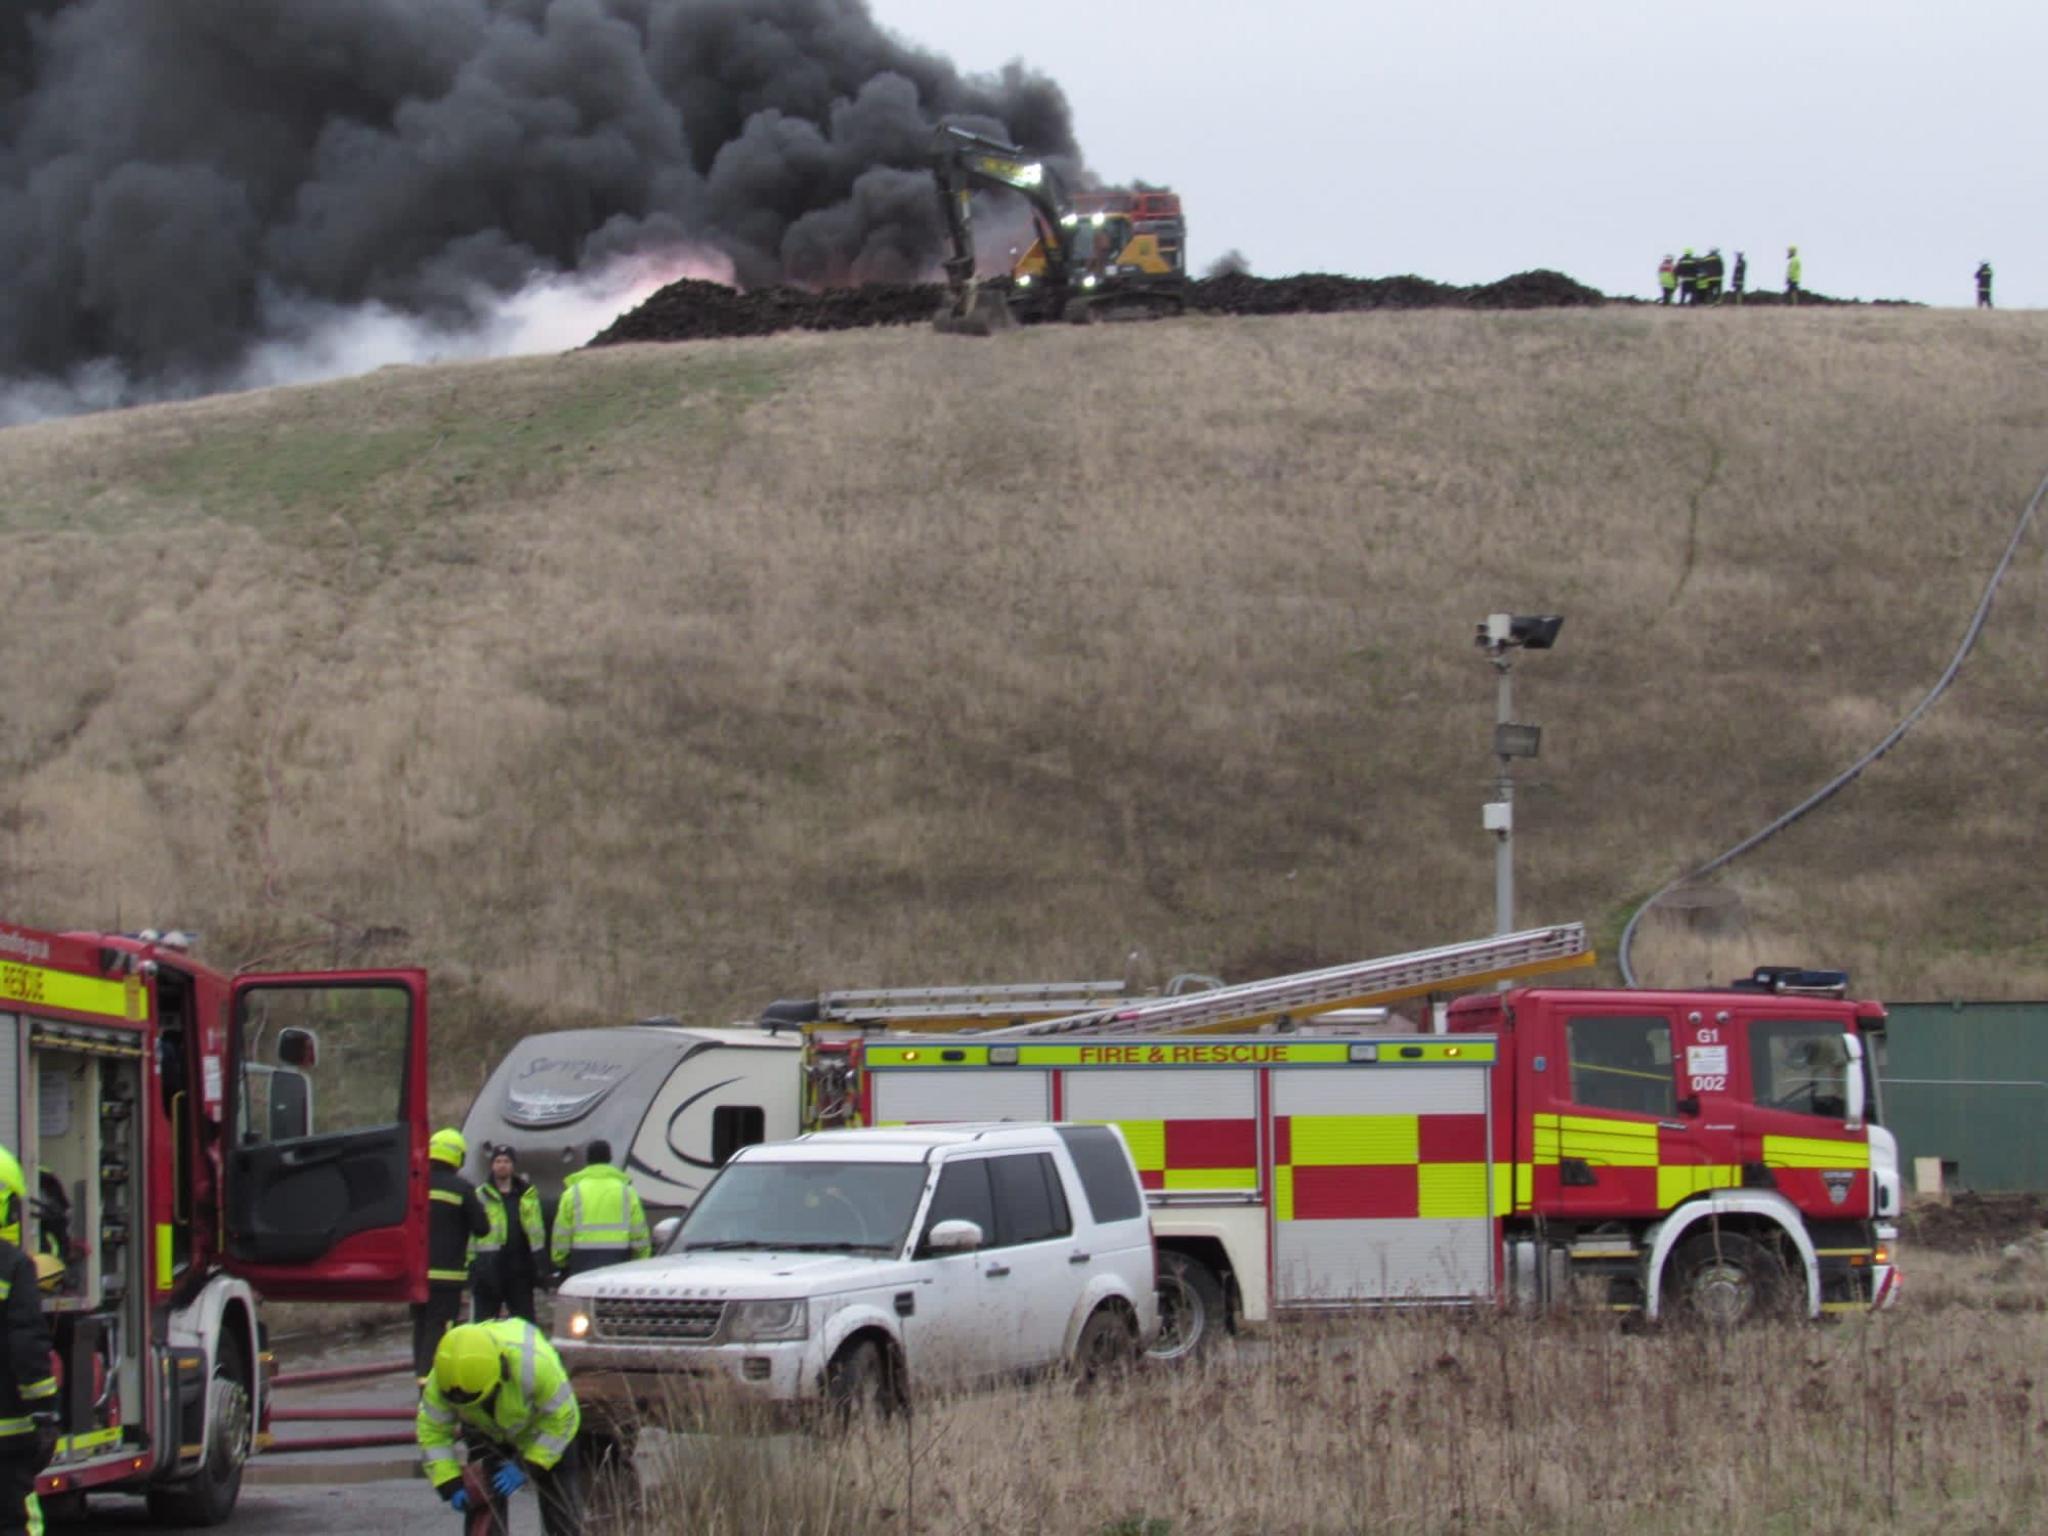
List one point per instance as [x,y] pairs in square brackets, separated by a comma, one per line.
[1500,636]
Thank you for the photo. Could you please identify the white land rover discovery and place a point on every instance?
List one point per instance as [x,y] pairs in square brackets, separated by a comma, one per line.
[850,1267]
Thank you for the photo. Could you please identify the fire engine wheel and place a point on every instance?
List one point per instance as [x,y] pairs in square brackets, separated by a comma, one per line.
[208,1496]
[1725,1280]
[1192,1309]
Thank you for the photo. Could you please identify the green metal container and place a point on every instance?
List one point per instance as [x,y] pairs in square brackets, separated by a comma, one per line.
[1968,1083]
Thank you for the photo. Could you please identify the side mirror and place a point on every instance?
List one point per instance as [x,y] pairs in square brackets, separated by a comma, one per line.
[954,1237]
[1853,1047]
[298,1048]
[665,1231]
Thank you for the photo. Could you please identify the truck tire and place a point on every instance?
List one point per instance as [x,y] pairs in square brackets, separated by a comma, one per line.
[1107,1348]
[208,1496]
[858,1385]
[1192,1308]
[1727,1280]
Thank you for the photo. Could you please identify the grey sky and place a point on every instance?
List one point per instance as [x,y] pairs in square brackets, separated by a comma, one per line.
[1896,142]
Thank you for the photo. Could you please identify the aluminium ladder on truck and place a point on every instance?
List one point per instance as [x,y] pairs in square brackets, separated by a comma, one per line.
[1362,984]
[923,1007]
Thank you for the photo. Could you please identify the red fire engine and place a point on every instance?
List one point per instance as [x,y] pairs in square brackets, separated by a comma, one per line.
[1711,1151]
[195,1141]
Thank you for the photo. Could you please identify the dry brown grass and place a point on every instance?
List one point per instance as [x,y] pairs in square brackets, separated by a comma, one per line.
[1919,1420]
[671,679]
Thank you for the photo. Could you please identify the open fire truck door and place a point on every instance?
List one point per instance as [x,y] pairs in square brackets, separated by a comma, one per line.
[325,1122]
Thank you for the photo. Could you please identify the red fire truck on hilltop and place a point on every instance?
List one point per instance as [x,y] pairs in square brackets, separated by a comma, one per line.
[195,1141]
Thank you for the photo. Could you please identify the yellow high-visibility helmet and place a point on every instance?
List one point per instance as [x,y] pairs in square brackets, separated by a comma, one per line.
[447,1146]
[466,1363]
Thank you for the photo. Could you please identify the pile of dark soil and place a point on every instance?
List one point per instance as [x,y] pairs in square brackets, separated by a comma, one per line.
[693,310]
[1965,1222]
[1320,293]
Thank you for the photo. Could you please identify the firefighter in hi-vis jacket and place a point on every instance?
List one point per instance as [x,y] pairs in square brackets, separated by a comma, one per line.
[454,1216]
[501,1387]
[28,1392]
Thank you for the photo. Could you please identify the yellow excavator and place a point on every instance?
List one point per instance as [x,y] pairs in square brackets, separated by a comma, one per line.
[1098,255]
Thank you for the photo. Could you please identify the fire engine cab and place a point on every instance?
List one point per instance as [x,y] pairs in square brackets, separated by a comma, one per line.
[194,1142]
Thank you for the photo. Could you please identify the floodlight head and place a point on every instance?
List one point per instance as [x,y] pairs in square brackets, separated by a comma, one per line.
[1530,631]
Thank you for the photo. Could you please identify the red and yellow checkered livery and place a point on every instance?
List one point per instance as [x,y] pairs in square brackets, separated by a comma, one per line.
[1356,1166]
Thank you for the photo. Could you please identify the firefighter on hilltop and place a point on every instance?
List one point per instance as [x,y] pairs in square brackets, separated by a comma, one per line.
[600,1219]
[454,1216]
[28,1392]
[500,1389]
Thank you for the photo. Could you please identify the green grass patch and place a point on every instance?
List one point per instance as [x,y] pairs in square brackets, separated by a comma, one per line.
[365,463]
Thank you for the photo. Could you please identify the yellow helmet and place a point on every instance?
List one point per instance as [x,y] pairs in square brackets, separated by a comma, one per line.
[447,1146]
[466,1363]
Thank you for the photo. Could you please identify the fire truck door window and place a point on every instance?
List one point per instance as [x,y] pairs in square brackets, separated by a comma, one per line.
[321,1061]
[1800,1065]
[1622,1062]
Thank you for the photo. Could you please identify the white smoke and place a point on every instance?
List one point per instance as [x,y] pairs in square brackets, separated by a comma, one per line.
[307,342]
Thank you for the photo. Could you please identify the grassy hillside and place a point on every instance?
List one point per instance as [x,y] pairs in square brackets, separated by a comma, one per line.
[674,678]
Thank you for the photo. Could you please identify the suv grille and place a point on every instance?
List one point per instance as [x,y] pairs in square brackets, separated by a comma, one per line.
[637,1317]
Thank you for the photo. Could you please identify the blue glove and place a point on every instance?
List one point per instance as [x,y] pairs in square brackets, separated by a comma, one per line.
[510,1478]
[459,1501]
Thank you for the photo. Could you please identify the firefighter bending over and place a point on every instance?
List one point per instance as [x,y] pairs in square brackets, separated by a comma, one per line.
[454,1216]
[600,1219]
[500,1388]
[28,1392]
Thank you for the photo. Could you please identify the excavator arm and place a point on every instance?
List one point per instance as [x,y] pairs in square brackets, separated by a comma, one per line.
[963,162]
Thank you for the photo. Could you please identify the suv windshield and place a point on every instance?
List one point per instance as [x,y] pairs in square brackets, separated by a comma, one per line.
[821,1207]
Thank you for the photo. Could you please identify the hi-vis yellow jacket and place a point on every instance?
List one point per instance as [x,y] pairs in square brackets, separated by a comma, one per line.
[532,1414]
[600,1214]
[493,1239]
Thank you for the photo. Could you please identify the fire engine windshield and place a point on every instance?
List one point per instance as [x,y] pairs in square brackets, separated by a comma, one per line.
[805,1206]
[1800,1065]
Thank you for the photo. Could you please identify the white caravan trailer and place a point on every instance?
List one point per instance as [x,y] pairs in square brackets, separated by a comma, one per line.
[674,1103]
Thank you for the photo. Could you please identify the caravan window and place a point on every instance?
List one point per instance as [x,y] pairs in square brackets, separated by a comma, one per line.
[734,1126]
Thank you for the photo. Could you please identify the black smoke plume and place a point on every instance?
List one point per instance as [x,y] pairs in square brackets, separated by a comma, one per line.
[181,180]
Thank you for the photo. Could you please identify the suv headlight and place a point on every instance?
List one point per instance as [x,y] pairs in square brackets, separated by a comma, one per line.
[578,1326]
[754,1322]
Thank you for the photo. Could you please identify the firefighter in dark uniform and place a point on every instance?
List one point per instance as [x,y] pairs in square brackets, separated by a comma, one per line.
[454,1216]
[28,1392]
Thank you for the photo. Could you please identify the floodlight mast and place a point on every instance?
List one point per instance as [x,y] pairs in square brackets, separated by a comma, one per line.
[1500,636]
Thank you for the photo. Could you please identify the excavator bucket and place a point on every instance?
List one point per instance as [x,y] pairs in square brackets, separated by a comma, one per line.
[986,312]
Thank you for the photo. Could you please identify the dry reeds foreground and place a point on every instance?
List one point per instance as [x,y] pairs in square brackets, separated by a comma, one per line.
[674,679]
[1918,1421]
